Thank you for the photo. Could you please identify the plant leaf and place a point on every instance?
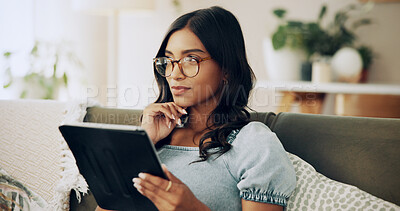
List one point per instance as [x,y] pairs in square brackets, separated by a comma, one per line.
[322,13]
[49,93]
[35,49]
[280,13]
[55,66]
[65,78]
[279,38]
[361,22]
[7,54]
[340,19]
[8,84]
[54,70]
[23,94]
[295,24]
[366,55]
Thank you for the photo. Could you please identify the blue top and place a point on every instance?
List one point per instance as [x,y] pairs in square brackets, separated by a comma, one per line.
[256,168]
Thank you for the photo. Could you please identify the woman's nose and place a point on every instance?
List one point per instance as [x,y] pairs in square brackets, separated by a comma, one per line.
[177,72]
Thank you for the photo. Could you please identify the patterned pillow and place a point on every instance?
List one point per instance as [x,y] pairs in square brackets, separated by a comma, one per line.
[30,143]
[33,151]
[314,191]
[16,196]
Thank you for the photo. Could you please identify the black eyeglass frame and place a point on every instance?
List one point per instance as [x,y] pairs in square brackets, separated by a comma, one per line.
[180,65]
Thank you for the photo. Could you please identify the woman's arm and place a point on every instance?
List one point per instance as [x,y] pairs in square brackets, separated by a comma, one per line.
[258,206]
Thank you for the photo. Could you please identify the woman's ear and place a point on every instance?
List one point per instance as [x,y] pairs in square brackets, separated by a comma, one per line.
[225,76]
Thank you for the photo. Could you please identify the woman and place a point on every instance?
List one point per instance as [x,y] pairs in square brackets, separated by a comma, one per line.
[219,159]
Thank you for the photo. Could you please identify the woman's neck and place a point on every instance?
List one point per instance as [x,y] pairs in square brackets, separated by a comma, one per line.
[194,129]
[198,116]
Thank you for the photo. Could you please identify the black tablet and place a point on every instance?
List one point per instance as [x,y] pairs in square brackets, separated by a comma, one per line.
[109,157]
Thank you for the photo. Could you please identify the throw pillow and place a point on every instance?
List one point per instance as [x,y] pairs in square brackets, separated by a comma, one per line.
[30,143]
[33,151]
[16,196]
[315,191]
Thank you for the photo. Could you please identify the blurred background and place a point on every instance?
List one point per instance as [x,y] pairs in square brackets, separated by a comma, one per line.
[333,57]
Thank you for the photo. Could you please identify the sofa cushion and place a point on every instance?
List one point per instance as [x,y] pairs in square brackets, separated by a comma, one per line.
[315,191]
[361,151]
[99,114]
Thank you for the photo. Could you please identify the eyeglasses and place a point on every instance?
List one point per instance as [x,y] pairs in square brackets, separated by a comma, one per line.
[189,66]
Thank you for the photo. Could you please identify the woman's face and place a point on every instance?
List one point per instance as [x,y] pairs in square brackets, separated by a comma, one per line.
[206,86]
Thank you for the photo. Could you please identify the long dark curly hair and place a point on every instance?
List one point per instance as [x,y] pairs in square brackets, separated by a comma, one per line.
[220,33]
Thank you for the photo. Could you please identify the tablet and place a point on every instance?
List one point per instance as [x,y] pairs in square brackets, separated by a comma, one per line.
[109,157]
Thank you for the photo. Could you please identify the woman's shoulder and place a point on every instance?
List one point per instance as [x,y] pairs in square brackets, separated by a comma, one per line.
[252,132]
[256,126]
[254,141]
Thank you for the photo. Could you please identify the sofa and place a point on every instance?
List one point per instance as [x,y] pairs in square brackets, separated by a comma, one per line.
[360,151]
[354,153]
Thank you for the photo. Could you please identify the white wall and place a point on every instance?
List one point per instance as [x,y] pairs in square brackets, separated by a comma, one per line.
[140,37]
[16,29]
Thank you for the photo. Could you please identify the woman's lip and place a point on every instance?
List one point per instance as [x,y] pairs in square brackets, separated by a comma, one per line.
[180,87]
[179,90]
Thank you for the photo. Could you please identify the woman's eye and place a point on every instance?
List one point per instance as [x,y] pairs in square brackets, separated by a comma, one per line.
[191,58]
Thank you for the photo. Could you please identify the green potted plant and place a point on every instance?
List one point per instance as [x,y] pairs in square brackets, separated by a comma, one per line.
[47,72]
[337,34]
[367,56]
[316,40]
[288,33]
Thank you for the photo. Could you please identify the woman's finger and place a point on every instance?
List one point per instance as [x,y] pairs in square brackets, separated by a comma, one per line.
[159,202]
[174,110]
[159,190]
[165,110]
[164,114]
[154,180]
[175,113]
[148,186]
[167,122]
[180,109]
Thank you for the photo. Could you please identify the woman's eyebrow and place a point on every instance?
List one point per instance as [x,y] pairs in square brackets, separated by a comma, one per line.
[187,51]
[192,50]
[168,52]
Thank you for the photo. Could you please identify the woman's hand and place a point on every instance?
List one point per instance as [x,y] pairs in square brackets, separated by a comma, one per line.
[176,196]
[101,209]
[159,119]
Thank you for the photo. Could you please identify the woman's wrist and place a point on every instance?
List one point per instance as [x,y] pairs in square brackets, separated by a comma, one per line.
[151,136]
[154,139]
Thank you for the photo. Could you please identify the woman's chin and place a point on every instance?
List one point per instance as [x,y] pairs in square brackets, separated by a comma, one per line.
[182,102]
